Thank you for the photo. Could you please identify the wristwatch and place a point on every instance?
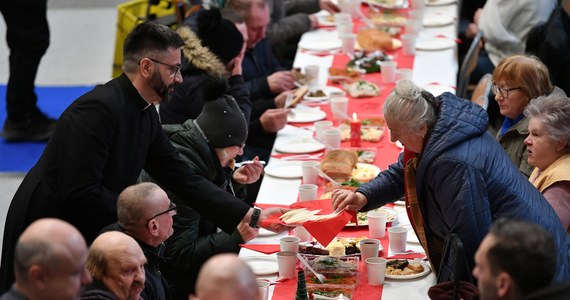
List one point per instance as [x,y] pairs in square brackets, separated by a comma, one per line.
[255,217]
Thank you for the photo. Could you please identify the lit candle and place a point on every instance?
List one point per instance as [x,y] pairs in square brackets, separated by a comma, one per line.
[354,131]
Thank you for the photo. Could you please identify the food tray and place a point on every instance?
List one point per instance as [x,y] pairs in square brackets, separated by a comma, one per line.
[341,272]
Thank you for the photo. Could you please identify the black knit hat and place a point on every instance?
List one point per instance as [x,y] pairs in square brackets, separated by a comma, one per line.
[221,120]
[221,36]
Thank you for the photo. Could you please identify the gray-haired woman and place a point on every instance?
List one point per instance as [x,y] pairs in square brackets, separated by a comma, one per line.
[548,147]
[455,176]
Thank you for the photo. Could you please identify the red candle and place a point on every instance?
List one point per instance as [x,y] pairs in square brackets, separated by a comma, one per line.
[354,131]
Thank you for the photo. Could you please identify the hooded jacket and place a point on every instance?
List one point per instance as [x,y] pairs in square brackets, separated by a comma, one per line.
[464,182]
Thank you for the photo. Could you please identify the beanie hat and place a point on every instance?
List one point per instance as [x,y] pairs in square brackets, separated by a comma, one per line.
[221,36]
[221,121]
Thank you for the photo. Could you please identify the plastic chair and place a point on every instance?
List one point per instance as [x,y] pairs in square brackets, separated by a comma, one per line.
[454,255]
[481,93]
[468,65]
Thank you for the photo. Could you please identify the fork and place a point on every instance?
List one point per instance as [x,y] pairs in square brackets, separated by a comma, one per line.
[320,276]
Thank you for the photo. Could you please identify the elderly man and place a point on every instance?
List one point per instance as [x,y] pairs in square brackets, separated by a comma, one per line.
[104,140]
[226,277]
[517,260]
[145,213]
[49,262]
[116,263]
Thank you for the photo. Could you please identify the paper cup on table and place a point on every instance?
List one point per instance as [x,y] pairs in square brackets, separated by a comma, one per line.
[416,14]
[308,192]
[376,270]
[408,43]
[320,128]
[348,40]
[388,71]
[263,286]
[302,233]
[339,108]
[344,28]
[286,262]
[376,224]
[332,139]
[369,248]
[310,172]
[414,26]
[418,4]
[312,71]
[398,238]
[289,243]
[404,74]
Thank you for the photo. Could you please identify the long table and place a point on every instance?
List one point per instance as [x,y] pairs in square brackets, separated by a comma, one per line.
[430,68]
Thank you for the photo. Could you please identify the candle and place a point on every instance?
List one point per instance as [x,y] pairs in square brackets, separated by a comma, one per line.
[354,131]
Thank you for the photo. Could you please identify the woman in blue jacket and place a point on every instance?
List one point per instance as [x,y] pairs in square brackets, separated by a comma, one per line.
[455,176]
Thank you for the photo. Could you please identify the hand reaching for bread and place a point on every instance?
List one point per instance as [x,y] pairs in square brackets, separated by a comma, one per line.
[347,200]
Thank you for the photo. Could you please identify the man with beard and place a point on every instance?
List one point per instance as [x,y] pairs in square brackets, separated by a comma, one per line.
[116,263]
[103,141]
[49,262]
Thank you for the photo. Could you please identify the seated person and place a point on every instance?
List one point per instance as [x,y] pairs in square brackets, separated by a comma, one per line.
[548,145]
[49,262]
[144,212]
[214,48]
[515,261]
[226,277]
[116,263]
[209,145]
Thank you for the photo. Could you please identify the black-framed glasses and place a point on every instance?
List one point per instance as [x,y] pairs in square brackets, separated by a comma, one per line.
[174,69]
[171,207]
[503,91]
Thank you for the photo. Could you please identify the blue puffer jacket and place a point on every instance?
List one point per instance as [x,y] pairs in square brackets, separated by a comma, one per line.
[465,181]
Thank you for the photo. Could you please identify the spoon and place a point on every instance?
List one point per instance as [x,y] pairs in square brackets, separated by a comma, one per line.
[320,276]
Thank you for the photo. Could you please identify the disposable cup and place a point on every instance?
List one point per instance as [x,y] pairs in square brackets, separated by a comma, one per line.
[342,18]
[408,43]
[348,40]
[302,233]
[286,262]
[350,7]
[376,224]
[307,192]
[263,286]
[369,248]
[404,74]
[414,26]
[344,27]
[339,108]
[332,139]
[398,238]
[312,71]
[418,4]
[320,128]
[416,14]
[388,71]
[310,172]
[376,270]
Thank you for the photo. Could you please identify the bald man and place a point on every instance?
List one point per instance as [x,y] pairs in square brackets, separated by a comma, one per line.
[145,213]
[49,262]
[226,277]
[116,263]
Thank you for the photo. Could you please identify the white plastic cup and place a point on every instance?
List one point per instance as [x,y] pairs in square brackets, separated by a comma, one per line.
[310,172]
[263,286]
[332,139]
[286,262]
[344,28]
[350,7]
[307,192]
[339,108]
[416,14]
[376,224]
[342,18]
[302,233]
[398,238]
[289,243]
[369,248]
[320,128]
[348,40]
[418,4]
[388,71]
[404,74]
[312,71]
[414,26]
[376,270]
[408,43]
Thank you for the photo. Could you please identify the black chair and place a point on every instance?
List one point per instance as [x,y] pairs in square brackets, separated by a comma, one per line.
[454,256]
[468,65]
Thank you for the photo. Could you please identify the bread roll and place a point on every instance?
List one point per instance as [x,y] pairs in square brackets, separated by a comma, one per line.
[373,39]
[338,164]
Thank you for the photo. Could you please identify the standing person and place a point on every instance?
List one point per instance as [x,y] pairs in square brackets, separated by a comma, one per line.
[49,262]
[455,176]
[27,35]
[102,143]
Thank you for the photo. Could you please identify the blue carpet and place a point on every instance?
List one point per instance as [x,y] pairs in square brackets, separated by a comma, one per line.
[20,157]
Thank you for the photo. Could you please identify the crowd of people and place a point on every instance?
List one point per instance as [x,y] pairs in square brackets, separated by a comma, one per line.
[150,181]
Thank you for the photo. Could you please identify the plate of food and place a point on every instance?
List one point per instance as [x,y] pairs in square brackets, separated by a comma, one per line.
[344,74]
[327,20]
[388,4]
[285,169]
[339,246]
[439,2]
[362,89]
[262,265]
[323,93]
[438,20]
[406,269]
[298,145]
[305,115]
[388,19]
[365,172]
[362,217]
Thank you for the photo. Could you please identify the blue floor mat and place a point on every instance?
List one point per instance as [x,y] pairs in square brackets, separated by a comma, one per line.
[20,157]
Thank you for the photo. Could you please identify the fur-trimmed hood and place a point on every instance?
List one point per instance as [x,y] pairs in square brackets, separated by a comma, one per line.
[198,56]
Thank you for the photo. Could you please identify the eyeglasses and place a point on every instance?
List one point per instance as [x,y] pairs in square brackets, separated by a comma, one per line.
[171,207]
[174,69]
[503,91]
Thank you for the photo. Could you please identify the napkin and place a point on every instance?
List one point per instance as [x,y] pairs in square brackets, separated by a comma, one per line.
[263,248]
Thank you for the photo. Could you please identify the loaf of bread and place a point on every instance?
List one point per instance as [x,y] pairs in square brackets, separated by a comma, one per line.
[373,39]
[339,164]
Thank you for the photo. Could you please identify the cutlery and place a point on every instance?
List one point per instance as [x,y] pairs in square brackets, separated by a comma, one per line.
[327,177]
[320,276]
[247,162]
[303,157]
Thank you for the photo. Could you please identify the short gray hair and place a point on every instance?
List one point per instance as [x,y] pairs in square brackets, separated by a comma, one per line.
[28,253]
[412,105]
[553,111]
[133,205]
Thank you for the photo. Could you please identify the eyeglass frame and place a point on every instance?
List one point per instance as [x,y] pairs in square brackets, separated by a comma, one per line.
[172,206]
[495,88]
[176,69]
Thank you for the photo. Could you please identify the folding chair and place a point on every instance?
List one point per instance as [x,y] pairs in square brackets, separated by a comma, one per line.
[454,255]
[481,93]
[468,65]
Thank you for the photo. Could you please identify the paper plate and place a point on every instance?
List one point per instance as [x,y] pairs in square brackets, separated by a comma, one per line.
[320,45]
[298,145]
[326,20]
[426,271]
[438,20]
[285,170]
[435,44]
[304,115]
[262,265]
[328,90]
[439,2]
[265,232]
